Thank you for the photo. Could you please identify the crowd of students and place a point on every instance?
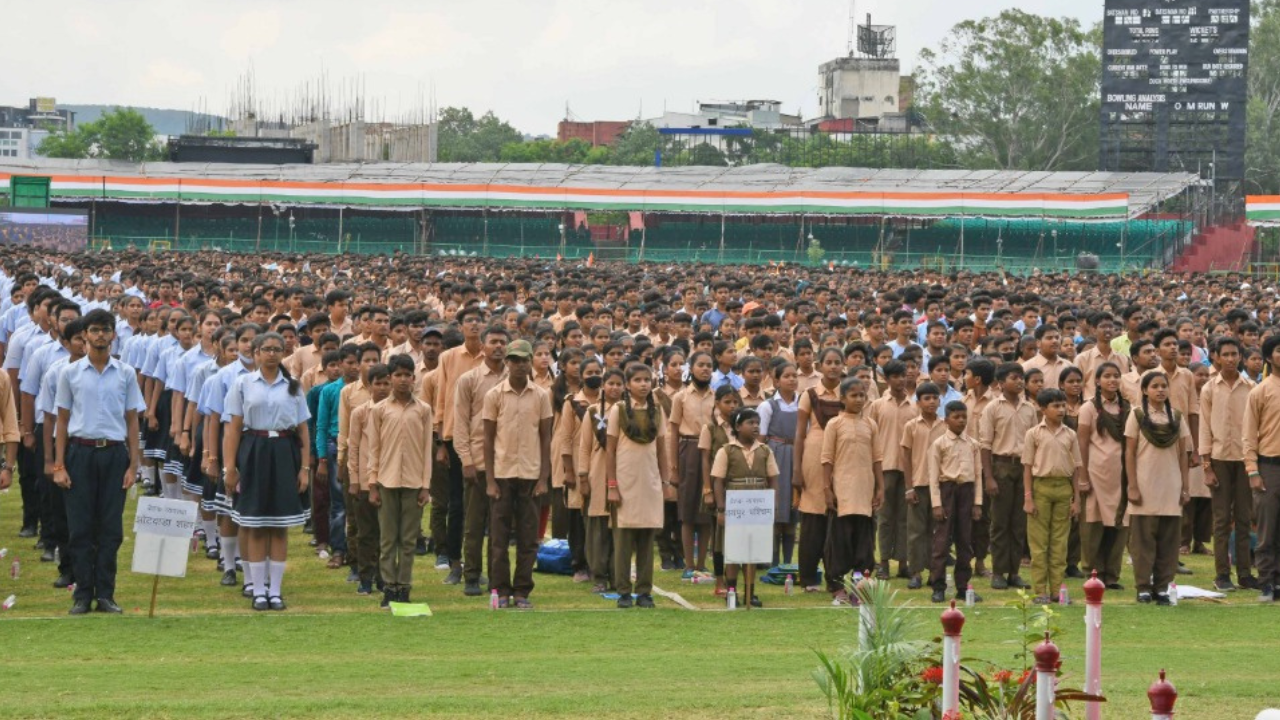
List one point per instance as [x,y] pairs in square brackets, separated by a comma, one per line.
[1019,430]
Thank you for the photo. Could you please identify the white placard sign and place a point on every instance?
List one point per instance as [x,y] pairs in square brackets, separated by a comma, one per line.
[163,530]
[748,526]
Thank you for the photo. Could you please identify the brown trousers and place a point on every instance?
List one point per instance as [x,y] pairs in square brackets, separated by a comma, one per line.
[1102,549]
[637,543]
[514,513]
[367,548]
[892,519]
[1232,511]
[440,510]
[919,533]
[399,519]
[1008,518]
[1267,503]
[1197,522]
[1153,545]
[957,509]
[473,527]
[600,550]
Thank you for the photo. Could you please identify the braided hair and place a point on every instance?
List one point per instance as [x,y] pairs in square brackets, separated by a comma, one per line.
[649,431]
[602,433]
[1168,407]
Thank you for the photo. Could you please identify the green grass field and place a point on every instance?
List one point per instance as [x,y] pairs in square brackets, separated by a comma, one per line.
[335,654]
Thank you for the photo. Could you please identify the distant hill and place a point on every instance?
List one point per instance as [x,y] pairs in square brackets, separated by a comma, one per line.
[166,122]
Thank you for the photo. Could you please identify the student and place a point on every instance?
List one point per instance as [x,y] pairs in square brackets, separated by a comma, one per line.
[1002,432]
[517,449]
[713,436]
[326,442]
[726,359]
[891,413]
[815,410]
[268,439]
[54,511]
[1071,383]
[367,550]
[691,410]
[1262,462]
[1047,360]
[1224,400]
[195,434]
[672,375]
[980,375]
[917,437]
[1197,514]
[752,392]
[212,403]
[778,417]
[744,463]
[1090,360]
[1050,472]
[433,346]
[96,459]
[636,484]
[400,460]
[1156,451]
[592,476]
[343,526]
[1102,487]
[955,496]
[468,443]
[564,441]
[854,488]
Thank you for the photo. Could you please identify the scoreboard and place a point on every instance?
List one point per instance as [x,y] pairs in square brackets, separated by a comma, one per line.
[1175,86]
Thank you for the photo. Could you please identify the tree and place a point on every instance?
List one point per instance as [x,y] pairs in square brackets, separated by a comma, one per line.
[1262,153]
[1018,91]
[120,134]
[465,138]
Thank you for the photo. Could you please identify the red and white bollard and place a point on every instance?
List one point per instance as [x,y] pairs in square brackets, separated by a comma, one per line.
[1047,657]
[952,624]
[1162,695]
[1093,591]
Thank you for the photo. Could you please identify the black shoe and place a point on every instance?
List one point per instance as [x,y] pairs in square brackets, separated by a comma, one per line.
[403,595]
[387,596]
[378,584]
[1184,570]
[455,576]
[1016,581]
[1144,597]
[39,544]
[668,564]
[107,605]
[1249,582]
[624,601]
[1224,584]
[277,603]
[420,548]
[80,607]
[903,572]
[229,579]
[882,572]
[938,596]
[1163,599]
[1074,572]
[308,528]
[915,583]
[260,603]
[212,553]
[27,532]
[1115,586]
[999,582]
[755,602]
[246,591]
[644,601]
[364,588]
[1266,594]
[64,581]
[472,589]
[47,555]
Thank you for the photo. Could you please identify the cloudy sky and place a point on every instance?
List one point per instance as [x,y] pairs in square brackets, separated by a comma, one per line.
[524,59]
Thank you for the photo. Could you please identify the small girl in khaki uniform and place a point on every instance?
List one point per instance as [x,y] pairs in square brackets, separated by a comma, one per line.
[592,441]
[637,484]
[744,463]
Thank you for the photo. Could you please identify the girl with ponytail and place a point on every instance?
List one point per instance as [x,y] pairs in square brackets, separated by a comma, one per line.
[1103,525]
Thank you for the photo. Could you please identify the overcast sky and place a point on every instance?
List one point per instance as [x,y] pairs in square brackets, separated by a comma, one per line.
[523,59]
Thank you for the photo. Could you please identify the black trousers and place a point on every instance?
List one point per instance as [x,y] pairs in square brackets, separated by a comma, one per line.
[577,539]
[53,511]
[670,545]
[813,544]
[957,523]
[457,506]
[29,483]
[851,545]
[95,514]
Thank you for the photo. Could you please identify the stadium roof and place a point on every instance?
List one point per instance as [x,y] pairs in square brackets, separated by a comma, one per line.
[743,190]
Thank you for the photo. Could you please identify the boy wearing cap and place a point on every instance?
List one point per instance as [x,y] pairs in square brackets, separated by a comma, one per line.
[517,452]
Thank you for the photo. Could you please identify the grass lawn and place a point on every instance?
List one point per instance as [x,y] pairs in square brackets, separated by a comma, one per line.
[334,654]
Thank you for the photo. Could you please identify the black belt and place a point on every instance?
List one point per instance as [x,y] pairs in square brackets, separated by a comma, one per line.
[100,443]
[1007,458]
[269,433]
[689,437]
[1267,460]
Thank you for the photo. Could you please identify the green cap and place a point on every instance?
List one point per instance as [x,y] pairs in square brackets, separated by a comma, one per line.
[520,349]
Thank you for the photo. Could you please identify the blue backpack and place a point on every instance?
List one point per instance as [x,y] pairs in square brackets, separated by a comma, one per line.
[554,558]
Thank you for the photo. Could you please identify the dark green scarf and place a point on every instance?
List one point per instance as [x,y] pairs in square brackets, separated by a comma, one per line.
[1162,436]
[641,427]
[1112,424]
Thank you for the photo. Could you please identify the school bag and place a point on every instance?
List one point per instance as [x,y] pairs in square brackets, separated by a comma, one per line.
[554,558]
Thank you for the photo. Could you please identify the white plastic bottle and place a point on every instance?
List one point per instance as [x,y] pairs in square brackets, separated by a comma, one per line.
[732,599]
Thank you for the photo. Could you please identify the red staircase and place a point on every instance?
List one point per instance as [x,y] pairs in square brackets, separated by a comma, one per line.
[1220,247]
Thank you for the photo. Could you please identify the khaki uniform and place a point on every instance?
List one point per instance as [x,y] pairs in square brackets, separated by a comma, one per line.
[1053,455]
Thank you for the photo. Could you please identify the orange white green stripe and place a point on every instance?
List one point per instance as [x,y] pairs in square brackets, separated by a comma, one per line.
[1262,209]
[1103,206]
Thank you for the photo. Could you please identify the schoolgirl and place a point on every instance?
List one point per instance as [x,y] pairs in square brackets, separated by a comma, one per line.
[590,465]
[744,463]
[752,393]
[564,443]
[691,410]
[778,416]
[269,440]
[816,408]
[1156,453]
[636,485]
[1103,525]
[167,456]
[193,432]
[714,435]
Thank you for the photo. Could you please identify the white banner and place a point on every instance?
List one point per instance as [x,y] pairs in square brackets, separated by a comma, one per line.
[748,526]
[170,518]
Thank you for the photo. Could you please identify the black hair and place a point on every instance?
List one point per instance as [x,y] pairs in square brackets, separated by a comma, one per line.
[1048,396]
[850,384]
[1168,407]
[103,318]
[927,388]
[400,361]
[983,369]
[261,340]
[1007,369]
[740,416]
[379,371]
[955,406]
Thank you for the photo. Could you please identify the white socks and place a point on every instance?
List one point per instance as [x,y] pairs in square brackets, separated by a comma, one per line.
[148,473]
[230,548]
[257,572]
[171,490]
[211,538]
[275,569]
